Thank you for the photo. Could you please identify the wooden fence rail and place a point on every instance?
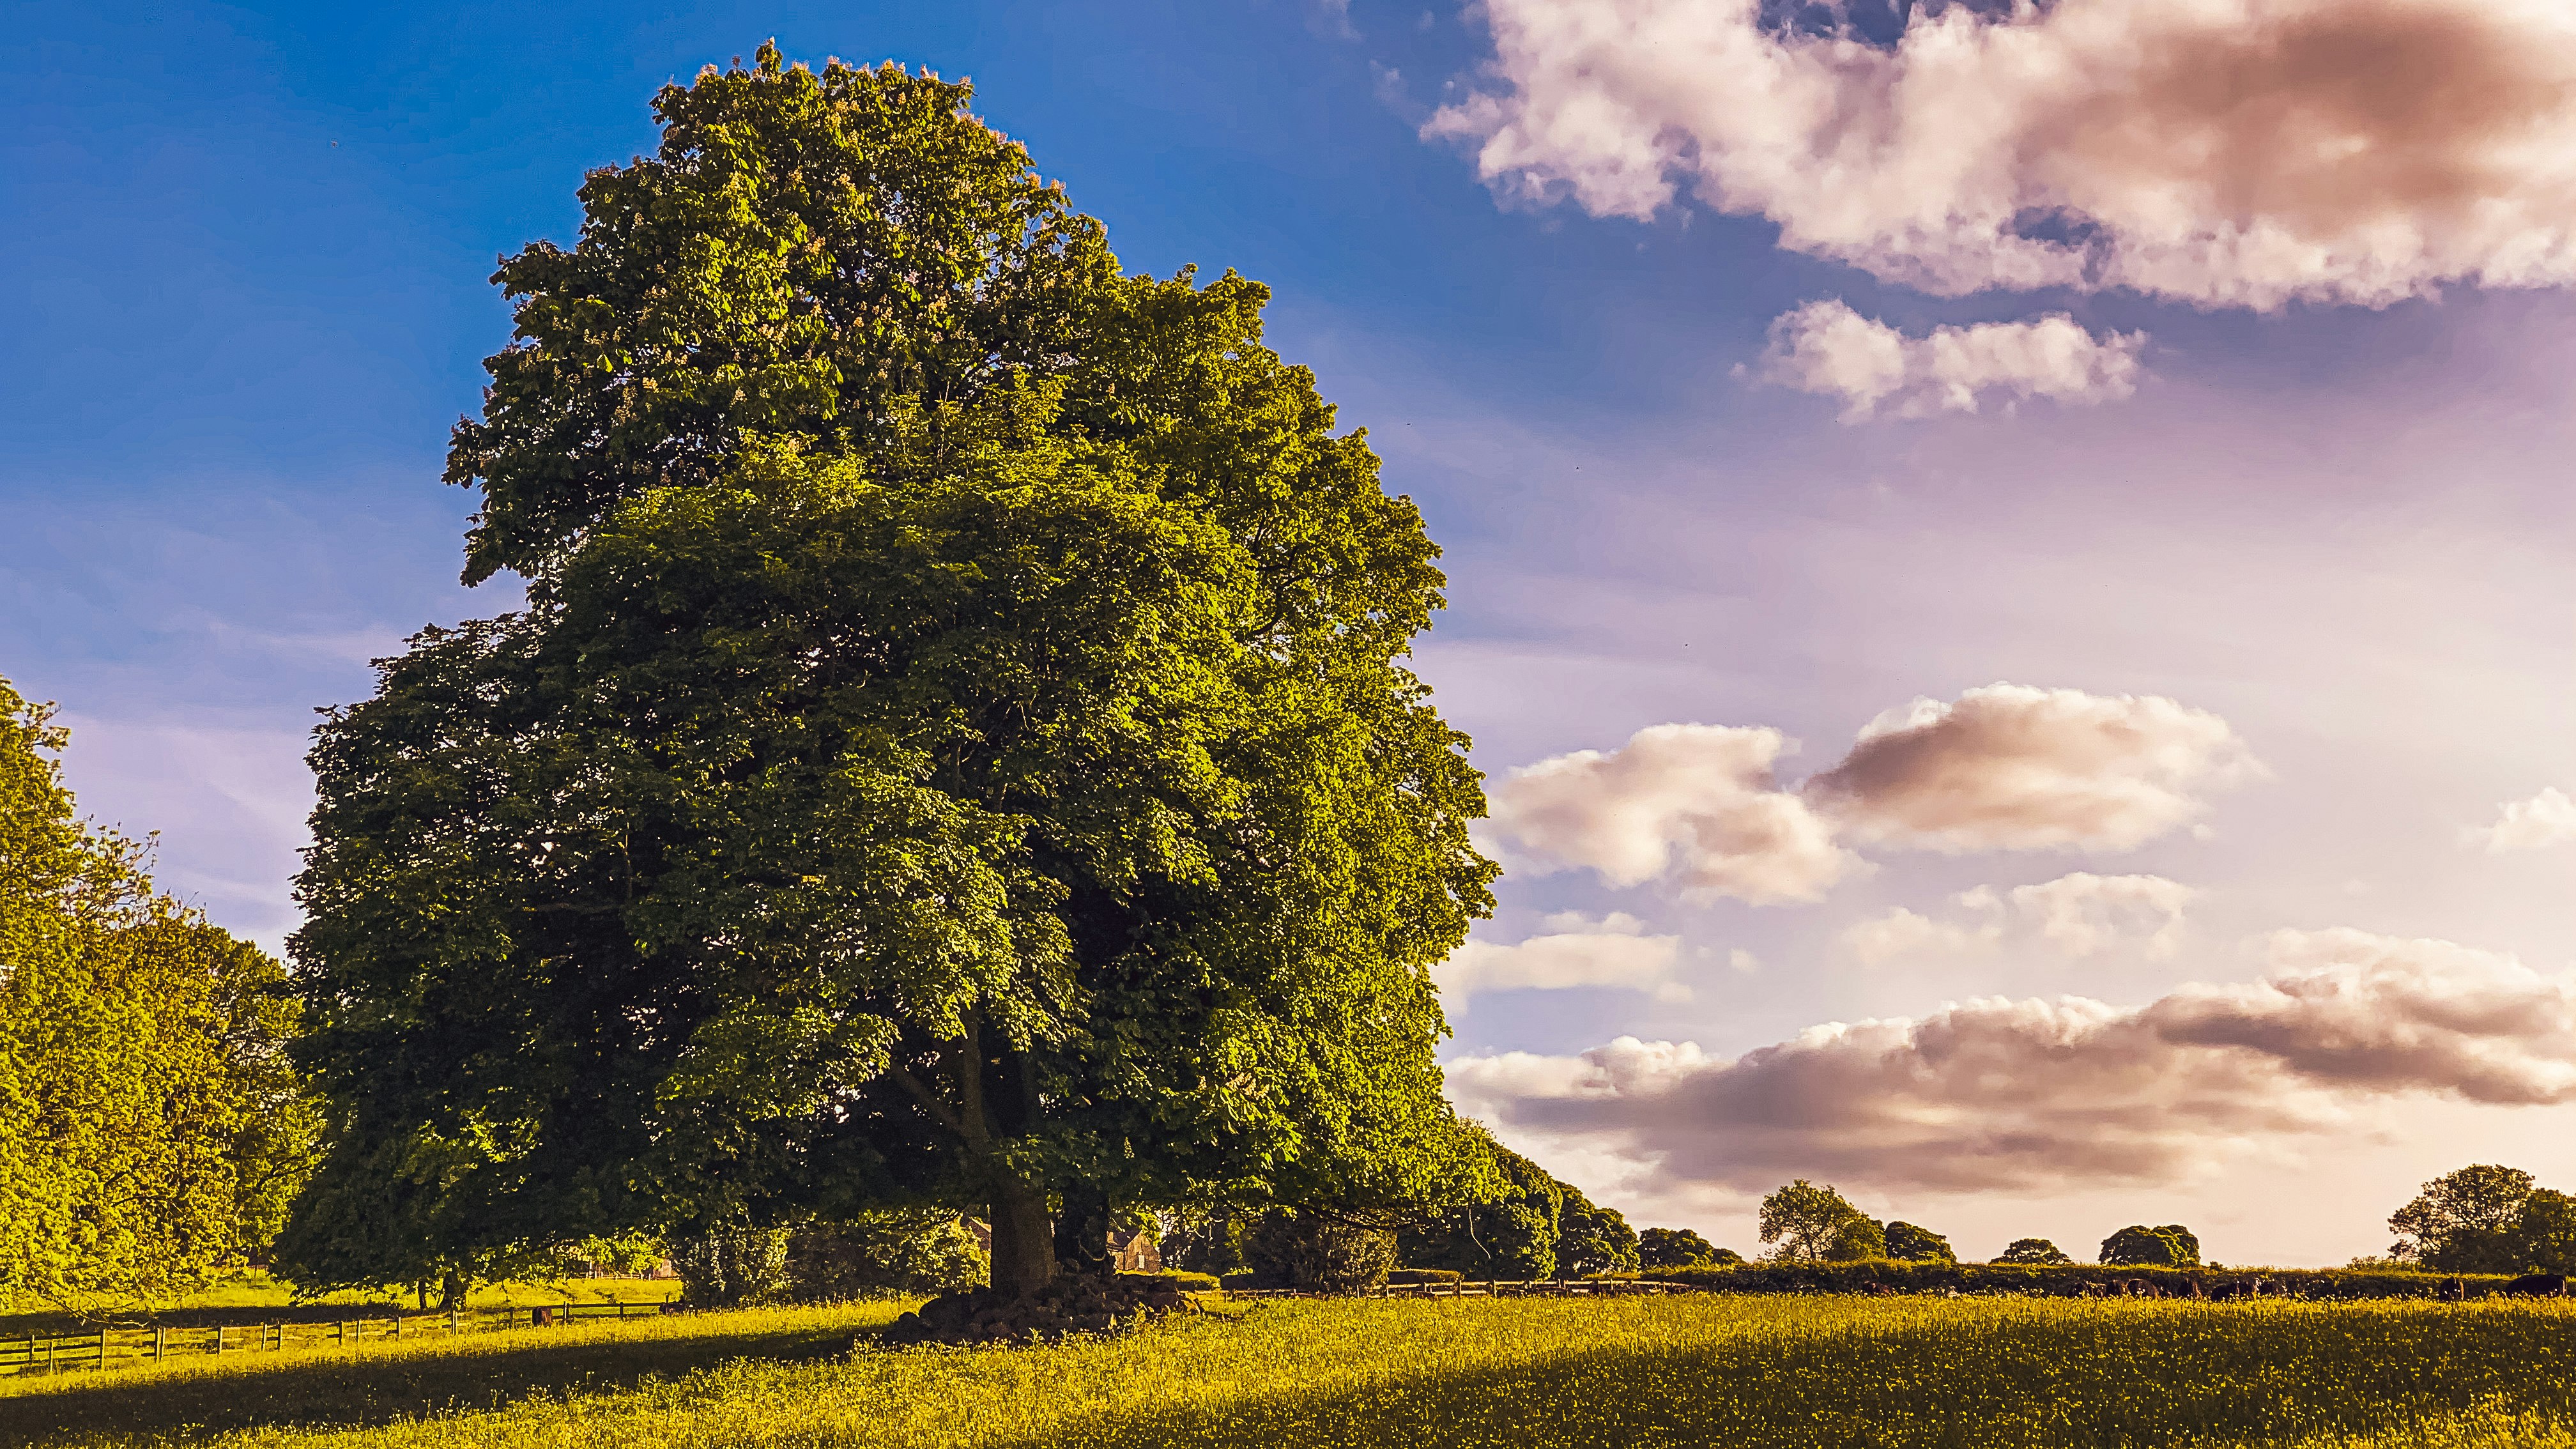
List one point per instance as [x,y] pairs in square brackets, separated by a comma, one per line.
[127,1347]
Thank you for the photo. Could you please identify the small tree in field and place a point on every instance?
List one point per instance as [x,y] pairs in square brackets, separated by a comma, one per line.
[1860,1239]
[1680,1248]
[1911,1244]
[2465,1221]
[2032,1250]
[2171,1246]
[957,751]
[1804,1221]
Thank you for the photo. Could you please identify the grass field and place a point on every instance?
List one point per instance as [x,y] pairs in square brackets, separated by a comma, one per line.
[1679,1371]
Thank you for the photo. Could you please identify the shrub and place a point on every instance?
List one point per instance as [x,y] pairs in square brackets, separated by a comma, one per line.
[1412,1277]
[1317,1254]
[883,1252]
[731,1267]
[1186,1282]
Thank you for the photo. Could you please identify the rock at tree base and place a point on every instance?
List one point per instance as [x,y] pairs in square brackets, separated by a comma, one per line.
[1072,1304]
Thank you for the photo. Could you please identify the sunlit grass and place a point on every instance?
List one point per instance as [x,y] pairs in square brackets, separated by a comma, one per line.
[1681,1371]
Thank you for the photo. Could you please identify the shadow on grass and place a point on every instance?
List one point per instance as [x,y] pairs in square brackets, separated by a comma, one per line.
[2119,1382]
[323,1389]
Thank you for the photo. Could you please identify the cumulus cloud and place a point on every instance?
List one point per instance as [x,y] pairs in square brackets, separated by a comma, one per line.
[2005,767]
[2077,915]
[1696,805]
[1574,950]
[2546,819]
[1827,348]
[2008,767]
[2218,152]
[2022,1095]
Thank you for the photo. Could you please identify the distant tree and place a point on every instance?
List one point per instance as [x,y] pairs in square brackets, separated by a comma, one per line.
[1513,1235]
[732,1266]
[2464,1221]
[1680,1248]
[1910,1244]
[1804,1221]
[957,750]
[1591,1239]
[2032,1250]
[1860,1239]
[151,1127]
[2171,1245]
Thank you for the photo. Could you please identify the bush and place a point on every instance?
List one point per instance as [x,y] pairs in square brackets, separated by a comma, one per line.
[1186,1282]
[731,1267]
[1317,1254]
[1414,1277]
[883,1253]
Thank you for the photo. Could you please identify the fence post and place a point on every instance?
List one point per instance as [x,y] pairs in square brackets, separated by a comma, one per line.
[102,1350]
[157,1332]
[219,1340]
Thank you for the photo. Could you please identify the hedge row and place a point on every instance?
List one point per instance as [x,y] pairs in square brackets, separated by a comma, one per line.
[2062,1280]
[1184,1281]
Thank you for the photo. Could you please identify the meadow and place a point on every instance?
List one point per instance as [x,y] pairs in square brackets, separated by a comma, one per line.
[1690,1369]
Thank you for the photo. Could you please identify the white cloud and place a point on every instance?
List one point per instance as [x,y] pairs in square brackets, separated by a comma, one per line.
[2005,767]
[2083,914]
[1903,935]
[2076,915]
[2546,819]
[2220,152]
[1696,805]
[1575,951]
[1825,347]
[2022,1095]
[2008,767]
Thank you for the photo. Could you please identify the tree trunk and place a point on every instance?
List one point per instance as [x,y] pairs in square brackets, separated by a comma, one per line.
[1023,1238]
[451,1294]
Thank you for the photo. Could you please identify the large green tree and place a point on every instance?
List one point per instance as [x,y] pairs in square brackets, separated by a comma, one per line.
[2465,1221]
[151,1128]
[956,749]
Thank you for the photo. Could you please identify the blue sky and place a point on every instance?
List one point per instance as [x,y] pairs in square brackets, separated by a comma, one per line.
[2319,501]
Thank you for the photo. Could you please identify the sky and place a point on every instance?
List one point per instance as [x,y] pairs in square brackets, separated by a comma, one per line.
[2007,566]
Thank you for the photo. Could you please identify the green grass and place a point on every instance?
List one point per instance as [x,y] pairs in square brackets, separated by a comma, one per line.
[1888,1373]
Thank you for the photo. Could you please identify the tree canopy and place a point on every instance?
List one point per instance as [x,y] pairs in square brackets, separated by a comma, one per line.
[151,1128]
[2033,1250]
[1680,1248]
[1911,1244]
[2487,1218]
[2464,1221]
[2172,1245]
[956,751]
[1804,1221]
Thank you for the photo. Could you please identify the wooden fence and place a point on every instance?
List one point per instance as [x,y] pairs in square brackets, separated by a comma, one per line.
[128,1347]
[1533,1288]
